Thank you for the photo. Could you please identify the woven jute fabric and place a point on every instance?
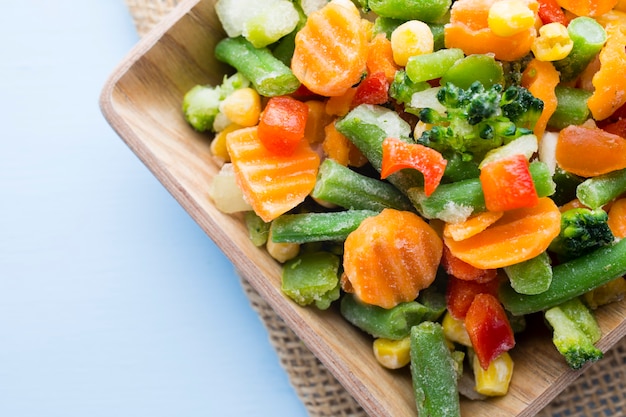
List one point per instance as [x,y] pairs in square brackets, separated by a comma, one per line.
[600,391]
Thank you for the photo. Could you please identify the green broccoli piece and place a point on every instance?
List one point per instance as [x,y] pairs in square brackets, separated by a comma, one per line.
[479,119]
[575,330]
[201,103]
[582,231]
[513,70]
[402,88]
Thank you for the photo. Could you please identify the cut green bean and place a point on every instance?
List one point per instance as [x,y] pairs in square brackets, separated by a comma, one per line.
[571,107]
[426,67]
[317,227]
[532,276]
[570,279]
[589,38]
[340,185]
[424,10]
[268,74]
[433,372]
[394,323]
[597,191]
[312,278]
[258,230]
[476,67]
[367,126]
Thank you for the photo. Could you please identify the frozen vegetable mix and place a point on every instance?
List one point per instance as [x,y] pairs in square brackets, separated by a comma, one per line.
[439,170]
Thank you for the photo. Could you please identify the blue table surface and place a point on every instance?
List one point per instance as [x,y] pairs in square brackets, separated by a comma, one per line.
[113,301]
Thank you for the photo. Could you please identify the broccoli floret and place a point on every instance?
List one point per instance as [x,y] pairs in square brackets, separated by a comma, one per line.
[201,103]
[402,88]
[513,70]
[575,330]
[479,119]
[582,231]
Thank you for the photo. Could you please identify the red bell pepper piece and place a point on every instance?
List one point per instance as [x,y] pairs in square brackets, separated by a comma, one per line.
[374,89]
[489,329]
[282,123]
[461,293]
[550,11]
[617,128]
[464,271]
[399,155]
[507,184]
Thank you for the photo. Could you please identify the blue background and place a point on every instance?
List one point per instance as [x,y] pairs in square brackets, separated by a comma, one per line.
[113,302]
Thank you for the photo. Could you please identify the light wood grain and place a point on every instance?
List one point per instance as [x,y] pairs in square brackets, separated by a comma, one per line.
[141,100]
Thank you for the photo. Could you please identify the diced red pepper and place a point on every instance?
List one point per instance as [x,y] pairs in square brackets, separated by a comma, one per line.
[374,89]
[507,184]
[489,329]
[550,12]
[617,128]
[460,294]
[282,123]
[464,271]
[399,155]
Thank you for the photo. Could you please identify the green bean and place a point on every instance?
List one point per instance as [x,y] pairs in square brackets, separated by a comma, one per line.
[317,227]
[434,65]
[424,10]
[433,372]
[588,37]
[268,74]
[570,279]
[394,323]
[532,276]
[571,107]
[312,277]
[597,191]
[258,230]
[344,187]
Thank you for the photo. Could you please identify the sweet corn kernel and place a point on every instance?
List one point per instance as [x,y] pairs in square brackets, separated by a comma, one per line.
[392,354]
[454,330]
[553,42]
[242,106]
[411,38]
[218,145]
[282,252]
[494,381]
[509,17]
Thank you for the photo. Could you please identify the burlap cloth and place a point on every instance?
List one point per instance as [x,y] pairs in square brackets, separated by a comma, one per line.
[600,391]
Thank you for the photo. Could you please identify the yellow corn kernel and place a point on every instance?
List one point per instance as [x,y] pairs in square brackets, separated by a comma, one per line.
[218,145]
[553,42]
[392,354]
[242,107]
[494,381]
[282,252]
[509,17]
[454,330]
[409,39]
[610,292]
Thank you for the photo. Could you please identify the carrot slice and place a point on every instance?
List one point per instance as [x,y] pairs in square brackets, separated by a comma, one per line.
[540,78]
[617,218]
[472,226]
[390,257]
[609,83]
[464,271]
[380,57]
[331,49]
[519,235]
[469,30]
[587,7]
[589,151]
[271,183]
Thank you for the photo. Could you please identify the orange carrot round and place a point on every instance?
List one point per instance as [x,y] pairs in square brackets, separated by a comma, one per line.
[331,50]
[380,57]
[587,7]
[472,226]
[540,78]
[464,271]
[589,151]
[617,218]
[390,257]
[469,30]
[519,235]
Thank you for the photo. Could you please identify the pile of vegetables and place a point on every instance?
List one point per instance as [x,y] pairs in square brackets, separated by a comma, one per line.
[440,170]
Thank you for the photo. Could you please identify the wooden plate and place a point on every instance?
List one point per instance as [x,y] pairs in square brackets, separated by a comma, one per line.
[142,100]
